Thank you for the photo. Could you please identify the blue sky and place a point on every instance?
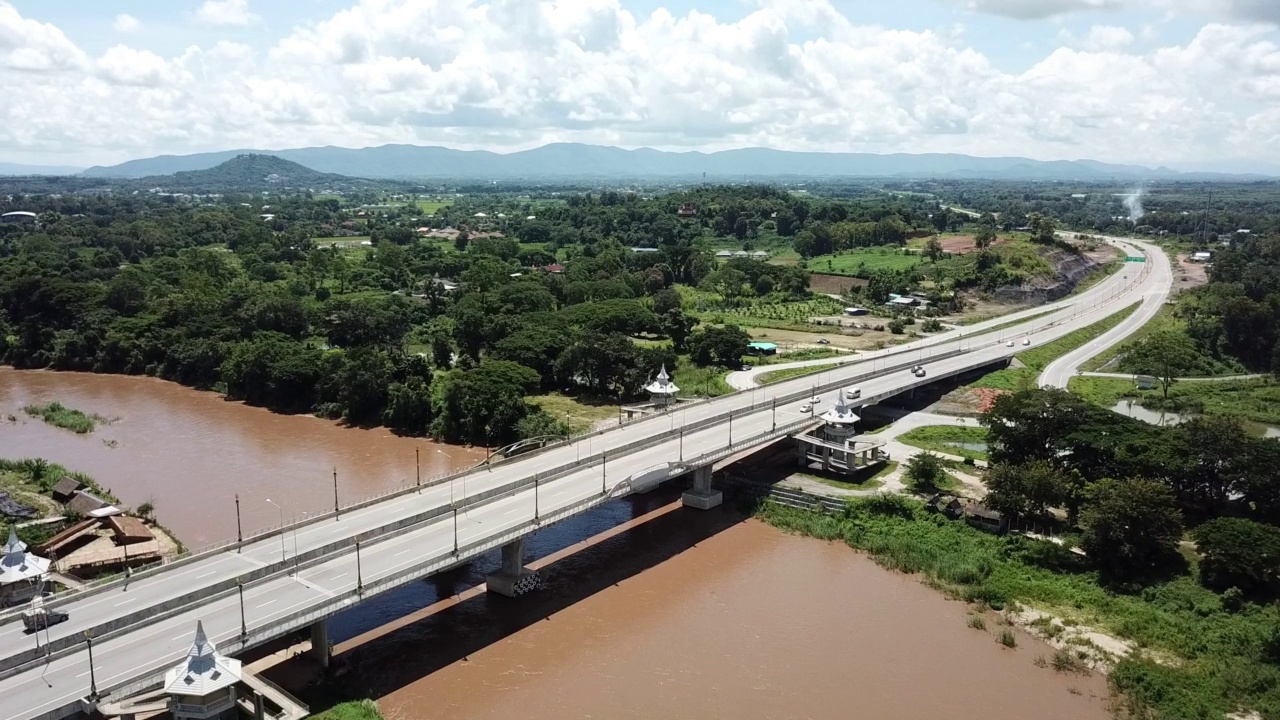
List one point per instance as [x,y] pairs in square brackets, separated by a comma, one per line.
[1191,83]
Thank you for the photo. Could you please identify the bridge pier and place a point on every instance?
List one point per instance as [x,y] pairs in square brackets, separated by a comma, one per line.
[320,648]
[513,579]
[702,496]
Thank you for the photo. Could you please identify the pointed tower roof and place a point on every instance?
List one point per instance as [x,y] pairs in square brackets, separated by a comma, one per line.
[840,414]
[18,564]
[662,385]
[203,671]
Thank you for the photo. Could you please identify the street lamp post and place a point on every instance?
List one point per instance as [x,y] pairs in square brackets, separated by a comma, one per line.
[417,465]
[359,573]
[455,530]
[604,473]
[244,628]
[282,550]
[535,497]
[681,444]
[335,495]
[239,531]
[93,678]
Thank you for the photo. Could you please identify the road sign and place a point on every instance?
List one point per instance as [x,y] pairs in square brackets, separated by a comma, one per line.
[1135,259]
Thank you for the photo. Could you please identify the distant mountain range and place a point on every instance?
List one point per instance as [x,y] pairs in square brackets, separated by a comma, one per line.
[565,161]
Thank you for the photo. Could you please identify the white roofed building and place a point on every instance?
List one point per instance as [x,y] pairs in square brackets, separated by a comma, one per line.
[839,421]
[22,574]
[203,686]
[662,390]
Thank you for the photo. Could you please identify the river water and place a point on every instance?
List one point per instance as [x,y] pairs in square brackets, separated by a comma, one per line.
[191,452]
[649,610]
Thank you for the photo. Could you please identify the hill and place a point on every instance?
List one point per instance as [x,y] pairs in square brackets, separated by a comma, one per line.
[255,172]
[566,160]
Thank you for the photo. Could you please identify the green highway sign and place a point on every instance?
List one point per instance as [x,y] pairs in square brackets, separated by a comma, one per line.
[1135,259]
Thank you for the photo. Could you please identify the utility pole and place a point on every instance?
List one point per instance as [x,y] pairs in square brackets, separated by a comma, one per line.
[417,465]
[775,414]
[604,473]
[335,494]
[455,530]
[239,531]
[535,498]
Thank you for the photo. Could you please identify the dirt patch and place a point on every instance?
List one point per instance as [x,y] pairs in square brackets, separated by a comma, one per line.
[837,337]
[1189,274]
[978,308]
[1093,648]
[966,402]
[834,284]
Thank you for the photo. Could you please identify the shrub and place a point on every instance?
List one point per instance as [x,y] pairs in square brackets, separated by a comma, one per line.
[977,623]
[1007,638]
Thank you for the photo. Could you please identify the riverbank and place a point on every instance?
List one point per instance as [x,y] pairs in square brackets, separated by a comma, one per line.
[1255,400]
[1188,656]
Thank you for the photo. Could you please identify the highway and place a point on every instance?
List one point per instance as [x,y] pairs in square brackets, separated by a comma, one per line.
[406,535]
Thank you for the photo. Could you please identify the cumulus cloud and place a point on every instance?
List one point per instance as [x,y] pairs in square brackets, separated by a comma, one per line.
[225,13]
[125,23]
[509,74]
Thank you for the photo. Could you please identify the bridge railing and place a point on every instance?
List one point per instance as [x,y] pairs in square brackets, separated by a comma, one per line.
[232,643]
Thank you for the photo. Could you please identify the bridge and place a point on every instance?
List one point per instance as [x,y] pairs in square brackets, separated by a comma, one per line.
[260,588]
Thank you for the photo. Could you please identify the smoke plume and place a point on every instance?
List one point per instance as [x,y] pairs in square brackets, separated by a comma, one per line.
[1133,203]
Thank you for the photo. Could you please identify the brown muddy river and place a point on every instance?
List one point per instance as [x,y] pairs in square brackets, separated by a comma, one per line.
[190,452]
[748,623]
[649,610]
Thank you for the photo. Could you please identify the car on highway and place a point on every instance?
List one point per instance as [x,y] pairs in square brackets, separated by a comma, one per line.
[806,407]
[919,371]
[815,400]
[853,393]
[823,341]
[42,618]
[1026,341]
[1009,344]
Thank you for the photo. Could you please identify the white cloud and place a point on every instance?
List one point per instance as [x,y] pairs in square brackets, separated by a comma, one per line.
[1254,10]
[125,23]
[509,74]
[226,13]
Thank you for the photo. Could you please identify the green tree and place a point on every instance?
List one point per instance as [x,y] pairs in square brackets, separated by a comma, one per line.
[722,346]
[1131,529]
[933,249]
[926,471]
[1166,355]
[1239,553]
[985,236]
[1025,490]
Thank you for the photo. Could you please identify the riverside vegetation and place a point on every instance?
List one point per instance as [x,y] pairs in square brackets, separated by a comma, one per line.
[59,415]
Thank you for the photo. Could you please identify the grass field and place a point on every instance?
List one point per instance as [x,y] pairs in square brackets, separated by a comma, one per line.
[861,261]
[431,207]
[948,439]
[1213,653]
[357,710]
[1036,359]
[581,414]
[1252,400]
[695,381]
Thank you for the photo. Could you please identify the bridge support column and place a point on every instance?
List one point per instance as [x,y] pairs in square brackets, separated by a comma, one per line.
[513,579]
[702,496]
[320,649]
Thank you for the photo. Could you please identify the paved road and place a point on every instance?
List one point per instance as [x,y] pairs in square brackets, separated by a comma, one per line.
[154,643]
[1220,378]
[1156,288]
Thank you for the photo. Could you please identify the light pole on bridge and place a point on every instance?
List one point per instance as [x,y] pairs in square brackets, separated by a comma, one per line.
[335,495]
[239,531]
[359,573]
[244,628]
[282,550]
[93,678]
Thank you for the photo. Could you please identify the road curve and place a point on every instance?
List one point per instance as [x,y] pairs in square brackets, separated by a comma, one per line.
[1059,372]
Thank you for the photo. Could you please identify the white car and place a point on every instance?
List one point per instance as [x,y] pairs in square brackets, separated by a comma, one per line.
[920,372]
[1009,344]
[806,407]
[1026,341]
[853,393]
[815,400]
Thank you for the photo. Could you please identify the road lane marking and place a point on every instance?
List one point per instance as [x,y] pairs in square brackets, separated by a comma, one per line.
[122,602]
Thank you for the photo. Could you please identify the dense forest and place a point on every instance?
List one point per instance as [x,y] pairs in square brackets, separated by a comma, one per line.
[446,337]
